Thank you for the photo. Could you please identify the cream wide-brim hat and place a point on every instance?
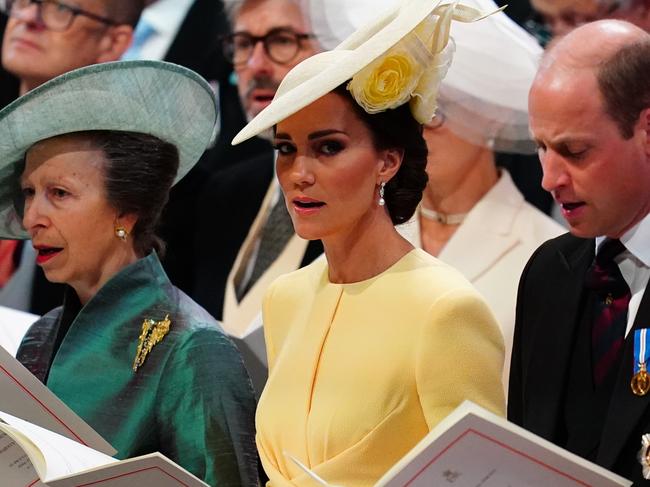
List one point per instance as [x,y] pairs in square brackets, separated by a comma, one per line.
[484,95]
[157,98]
[319,74]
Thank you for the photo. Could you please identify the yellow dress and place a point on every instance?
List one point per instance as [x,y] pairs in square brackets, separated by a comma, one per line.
[359,373]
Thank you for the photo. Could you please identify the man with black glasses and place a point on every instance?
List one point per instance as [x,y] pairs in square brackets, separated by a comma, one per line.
[269,38]
[43,39]
[247,238]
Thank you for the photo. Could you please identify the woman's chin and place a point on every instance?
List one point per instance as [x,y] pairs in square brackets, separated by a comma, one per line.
[52,276]
[308,232]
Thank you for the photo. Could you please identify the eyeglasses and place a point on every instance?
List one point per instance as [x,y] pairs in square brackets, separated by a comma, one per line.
[53,15]
[281,45]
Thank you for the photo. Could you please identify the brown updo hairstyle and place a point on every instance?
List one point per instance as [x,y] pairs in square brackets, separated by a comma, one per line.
[139,172]
[397,129]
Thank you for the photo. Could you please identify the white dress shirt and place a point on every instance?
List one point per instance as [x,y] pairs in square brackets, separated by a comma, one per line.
[634,264]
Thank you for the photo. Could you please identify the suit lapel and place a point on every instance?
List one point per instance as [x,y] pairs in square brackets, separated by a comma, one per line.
[496,241]
[626,409]
[551,347]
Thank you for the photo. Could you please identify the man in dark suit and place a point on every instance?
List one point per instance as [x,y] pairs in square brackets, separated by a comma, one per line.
[196,44]
[582,296]
[233,199]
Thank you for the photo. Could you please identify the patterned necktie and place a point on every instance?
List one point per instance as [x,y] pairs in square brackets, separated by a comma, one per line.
[274,236]
[610,309]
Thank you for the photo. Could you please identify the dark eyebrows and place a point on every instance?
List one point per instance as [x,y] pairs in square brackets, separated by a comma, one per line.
[312,136]
[323,133]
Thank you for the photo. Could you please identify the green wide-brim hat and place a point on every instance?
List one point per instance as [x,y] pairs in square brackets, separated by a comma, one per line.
[157,98]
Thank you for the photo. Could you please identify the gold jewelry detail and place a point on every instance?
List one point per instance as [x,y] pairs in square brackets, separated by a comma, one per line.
[641,381]
[152,333]
[121,233]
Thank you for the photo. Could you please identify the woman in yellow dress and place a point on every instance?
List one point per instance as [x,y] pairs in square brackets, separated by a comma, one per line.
[371,347]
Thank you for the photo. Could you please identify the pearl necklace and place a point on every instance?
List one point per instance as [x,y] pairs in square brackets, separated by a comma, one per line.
[445,219]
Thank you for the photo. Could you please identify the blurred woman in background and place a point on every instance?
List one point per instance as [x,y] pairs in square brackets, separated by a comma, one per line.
[472,215]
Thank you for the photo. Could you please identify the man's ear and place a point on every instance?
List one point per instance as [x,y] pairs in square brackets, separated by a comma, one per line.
[115,43]
[645,126]
[391,161]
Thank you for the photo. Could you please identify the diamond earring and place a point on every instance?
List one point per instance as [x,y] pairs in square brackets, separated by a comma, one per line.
[381,201]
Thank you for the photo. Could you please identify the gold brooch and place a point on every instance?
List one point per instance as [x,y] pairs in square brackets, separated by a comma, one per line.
[152,333]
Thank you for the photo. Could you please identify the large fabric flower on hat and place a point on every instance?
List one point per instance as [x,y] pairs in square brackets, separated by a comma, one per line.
[389,81]
[398,58]
[412,70]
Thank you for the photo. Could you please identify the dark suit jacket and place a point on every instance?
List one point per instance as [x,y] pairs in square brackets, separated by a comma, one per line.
[548,316]
[197,46]
[229,204]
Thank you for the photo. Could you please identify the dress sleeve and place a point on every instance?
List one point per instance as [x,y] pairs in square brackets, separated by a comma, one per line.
[206,410]
[459,357]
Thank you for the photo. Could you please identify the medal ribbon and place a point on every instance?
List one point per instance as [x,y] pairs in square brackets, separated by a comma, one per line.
[640,349]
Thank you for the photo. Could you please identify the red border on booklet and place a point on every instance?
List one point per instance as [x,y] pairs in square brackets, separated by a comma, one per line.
[124,475]
[134,472]
[507,447]
[43,406]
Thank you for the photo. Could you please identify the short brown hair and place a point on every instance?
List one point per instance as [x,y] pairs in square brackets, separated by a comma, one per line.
[624,84]
[125,11]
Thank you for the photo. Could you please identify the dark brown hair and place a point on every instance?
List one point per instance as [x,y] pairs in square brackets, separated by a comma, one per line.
[139,172]
[397,129]
[125,11]
[624,82]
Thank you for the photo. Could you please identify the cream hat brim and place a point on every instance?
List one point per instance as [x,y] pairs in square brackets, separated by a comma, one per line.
[484,95]
[157,98]
[318,75]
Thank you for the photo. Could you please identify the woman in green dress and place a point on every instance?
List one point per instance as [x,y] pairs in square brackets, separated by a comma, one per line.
[93,154]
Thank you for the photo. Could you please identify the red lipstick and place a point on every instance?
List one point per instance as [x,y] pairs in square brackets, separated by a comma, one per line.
[45,253]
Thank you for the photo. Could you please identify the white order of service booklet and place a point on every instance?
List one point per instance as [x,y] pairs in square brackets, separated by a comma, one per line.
[475,448]
[31,456]
[44,443]
[24,396]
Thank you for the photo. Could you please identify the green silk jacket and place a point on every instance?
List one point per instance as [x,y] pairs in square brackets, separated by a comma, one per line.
[190,399]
